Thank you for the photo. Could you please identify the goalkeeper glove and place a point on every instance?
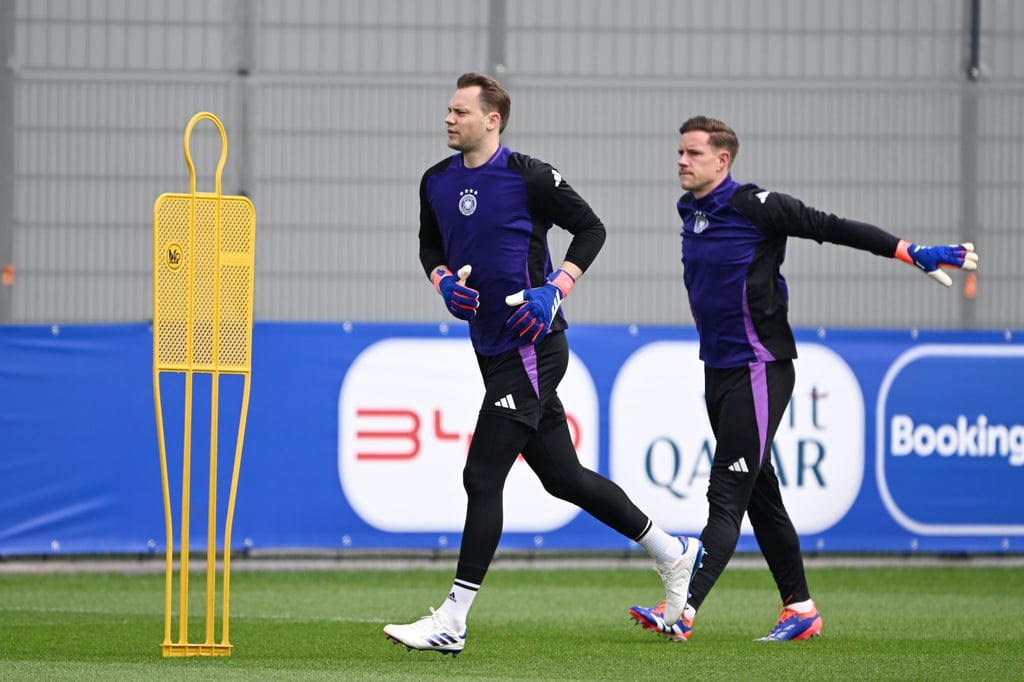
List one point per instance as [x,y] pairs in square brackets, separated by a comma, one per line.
[932,258]
[537,307]
[461,301]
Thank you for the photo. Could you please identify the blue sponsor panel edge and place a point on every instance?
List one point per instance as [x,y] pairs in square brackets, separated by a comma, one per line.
[948,419]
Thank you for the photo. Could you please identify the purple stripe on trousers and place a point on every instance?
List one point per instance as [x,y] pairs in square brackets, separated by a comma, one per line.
[759,389]
[529,355]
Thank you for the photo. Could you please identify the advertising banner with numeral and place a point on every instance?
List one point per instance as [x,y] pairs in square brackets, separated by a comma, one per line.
[894,441]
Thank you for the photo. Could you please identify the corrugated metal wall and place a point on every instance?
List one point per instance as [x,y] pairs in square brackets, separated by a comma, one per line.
[334,109]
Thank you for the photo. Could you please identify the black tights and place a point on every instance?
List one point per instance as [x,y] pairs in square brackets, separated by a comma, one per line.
[549,452]
[731,398]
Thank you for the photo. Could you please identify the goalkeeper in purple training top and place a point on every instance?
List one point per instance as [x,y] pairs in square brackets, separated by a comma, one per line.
[485,213]
[734,241]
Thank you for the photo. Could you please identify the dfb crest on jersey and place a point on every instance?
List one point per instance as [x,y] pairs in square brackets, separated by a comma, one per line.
[467,201]
[700,222]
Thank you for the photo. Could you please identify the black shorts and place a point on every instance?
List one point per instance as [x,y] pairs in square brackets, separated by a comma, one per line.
[522,384]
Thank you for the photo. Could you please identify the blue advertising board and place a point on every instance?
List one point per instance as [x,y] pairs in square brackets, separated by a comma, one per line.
[895,441]
[963,437]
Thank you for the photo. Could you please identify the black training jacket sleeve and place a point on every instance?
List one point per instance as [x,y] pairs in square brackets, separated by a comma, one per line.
[431,245]
[777,213]
[553,199]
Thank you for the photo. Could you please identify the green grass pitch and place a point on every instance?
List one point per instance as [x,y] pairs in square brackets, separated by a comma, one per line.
[906,623]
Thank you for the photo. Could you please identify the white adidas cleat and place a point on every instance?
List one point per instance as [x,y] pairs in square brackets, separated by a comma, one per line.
[429,633]
[678,576]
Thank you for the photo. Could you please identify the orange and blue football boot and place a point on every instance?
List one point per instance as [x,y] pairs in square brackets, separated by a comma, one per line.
[793,626]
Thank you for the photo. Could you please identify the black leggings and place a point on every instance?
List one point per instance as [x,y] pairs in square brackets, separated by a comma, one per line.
[549,452]
[745,406]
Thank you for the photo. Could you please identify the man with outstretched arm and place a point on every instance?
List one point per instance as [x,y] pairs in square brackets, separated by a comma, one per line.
[734,242]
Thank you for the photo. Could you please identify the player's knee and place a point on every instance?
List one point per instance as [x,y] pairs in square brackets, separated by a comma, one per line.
[725,511]
[478,481]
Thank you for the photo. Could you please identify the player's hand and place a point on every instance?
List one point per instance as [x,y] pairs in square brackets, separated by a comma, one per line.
[932,258]
[461,301]
[537,307]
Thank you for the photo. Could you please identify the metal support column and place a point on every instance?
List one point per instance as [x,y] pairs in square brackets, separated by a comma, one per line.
[497,26]
[969,230]
[7,80]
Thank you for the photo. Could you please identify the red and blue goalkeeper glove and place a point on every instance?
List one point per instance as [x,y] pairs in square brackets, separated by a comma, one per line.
[461,301]
[932,258]
[537,307]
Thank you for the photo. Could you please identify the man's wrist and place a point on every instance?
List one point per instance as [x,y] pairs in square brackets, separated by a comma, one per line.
[563,281]
[903,252]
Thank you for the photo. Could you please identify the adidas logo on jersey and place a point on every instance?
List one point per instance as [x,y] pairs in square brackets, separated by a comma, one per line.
[506,402]
[739,466]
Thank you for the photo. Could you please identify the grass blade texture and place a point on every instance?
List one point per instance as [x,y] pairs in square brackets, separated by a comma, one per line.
[900,623]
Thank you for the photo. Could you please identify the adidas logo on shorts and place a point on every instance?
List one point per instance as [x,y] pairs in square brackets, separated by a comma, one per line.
[739,466]
[506,402]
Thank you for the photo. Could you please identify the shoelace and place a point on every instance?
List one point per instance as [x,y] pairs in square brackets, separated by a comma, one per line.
[435,619]
[439,621]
